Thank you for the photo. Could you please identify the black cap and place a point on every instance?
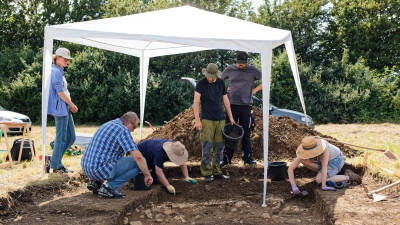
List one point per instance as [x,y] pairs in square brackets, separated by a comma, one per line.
[241,57]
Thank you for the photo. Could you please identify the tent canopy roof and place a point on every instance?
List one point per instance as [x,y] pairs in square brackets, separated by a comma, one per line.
[170,31]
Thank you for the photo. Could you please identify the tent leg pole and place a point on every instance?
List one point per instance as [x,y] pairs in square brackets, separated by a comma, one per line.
[265,188]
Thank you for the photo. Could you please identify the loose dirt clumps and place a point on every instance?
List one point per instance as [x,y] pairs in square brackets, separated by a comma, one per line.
[285,135]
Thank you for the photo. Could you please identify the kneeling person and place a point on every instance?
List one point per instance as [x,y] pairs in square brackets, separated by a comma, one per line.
[157,151]
[104,157]
[329,163]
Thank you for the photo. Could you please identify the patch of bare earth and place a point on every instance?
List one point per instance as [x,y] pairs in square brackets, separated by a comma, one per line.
[232,201]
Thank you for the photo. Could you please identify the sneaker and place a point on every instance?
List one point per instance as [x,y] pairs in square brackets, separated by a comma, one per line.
[329,183]
[120,193]
[207,179]
[353,177]
[224,163]
[94,186]
[249,161]
[62,170]
[339,185]
[221,176]
[110,193]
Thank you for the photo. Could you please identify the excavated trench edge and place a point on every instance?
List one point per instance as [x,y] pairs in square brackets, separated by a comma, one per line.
[175,172]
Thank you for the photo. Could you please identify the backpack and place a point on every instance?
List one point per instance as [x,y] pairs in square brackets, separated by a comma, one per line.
[26,150]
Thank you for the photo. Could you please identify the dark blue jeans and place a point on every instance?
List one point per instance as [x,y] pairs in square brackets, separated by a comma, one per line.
[241,113]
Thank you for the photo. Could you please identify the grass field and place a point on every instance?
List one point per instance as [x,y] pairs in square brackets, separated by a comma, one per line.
[381,136]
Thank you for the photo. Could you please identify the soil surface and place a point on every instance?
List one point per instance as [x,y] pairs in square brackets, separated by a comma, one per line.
[237,200]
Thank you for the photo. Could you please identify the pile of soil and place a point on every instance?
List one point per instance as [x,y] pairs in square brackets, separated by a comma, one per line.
[285,135]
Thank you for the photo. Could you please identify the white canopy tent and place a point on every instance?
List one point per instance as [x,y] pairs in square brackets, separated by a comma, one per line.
[173,31]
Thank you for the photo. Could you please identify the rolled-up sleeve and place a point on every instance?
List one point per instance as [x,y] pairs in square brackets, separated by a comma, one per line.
[58,83]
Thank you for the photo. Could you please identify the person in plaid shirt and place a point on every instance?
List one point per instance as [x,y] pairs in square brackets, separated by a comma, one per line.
[105,160]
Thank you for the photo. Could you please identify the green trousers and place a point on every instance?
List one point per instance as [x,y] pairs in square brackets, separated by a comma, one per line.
[212,145]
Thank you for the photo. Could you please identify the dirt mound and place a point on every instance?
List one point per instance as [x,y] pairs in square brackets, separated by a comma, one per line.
[285,134]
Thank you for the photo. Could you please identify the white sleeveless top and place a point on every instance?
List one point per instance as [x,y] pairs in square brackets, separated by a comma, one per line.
[334,151]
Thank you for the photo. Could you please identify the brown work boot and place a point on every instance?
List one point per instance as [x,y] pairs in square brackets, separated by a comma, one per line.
[353,177]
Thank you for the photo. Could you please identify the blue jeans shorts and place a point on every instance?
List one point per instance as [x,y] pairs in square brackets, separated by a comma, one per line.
[334,165]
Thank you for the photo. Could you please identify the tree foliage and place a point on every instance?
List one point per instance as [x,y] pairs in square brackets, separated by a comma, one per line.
[347,52]
[304,18]
[368,29]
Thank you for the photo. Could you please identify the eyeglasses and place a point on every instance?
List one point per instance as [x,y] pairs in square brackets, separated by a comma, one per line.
[133,125]
[67,60]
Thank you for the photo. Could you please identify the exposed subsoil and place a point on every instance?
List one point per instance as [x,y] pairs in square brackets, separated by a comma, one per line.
[237,200]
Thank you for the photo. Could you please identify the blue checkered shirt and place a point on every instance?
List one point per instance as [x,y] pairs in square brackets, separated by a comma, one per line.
[110,142]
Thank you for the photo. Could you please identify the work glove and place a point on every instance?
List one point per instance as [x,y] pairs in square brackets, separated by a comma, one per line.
[171,190]
[190,180]
[326,188]
[295,189]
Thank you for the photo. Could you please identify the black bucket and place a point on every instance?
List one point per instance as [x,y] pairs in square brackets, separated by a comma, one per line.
[277,170]
[139,183]
[232,134]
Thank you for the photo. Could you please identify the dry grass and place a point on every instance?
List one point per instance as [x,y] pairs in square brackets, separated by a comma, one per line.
[383,136]
[28,173]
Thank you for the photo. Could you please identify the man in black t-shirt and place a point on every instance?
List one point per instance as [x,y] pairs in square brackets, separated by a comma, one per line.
[211,93]
[157,151]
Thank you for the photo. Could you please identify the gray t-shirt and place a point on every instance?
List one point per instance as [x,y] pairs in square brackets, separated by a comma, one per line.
[241,83]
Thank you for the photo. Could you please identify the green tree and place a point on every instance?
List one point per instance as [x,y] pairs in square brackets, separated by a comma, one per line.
[103,85]
[304,18]
[23,93]
[368,29]
[14,60]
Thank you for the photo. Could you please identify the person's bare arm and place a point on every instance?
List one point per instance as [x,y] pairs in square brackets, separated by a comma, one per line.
[186,174]
[291,168]
[324,166]
[257,89]
[227,105]
[196,108]
[161,176]
[184,171]
[65,98]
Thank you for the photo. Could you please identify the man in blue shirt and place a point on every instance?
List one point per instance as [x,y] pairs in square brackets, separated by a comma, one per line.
[157,151]
[104,158]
